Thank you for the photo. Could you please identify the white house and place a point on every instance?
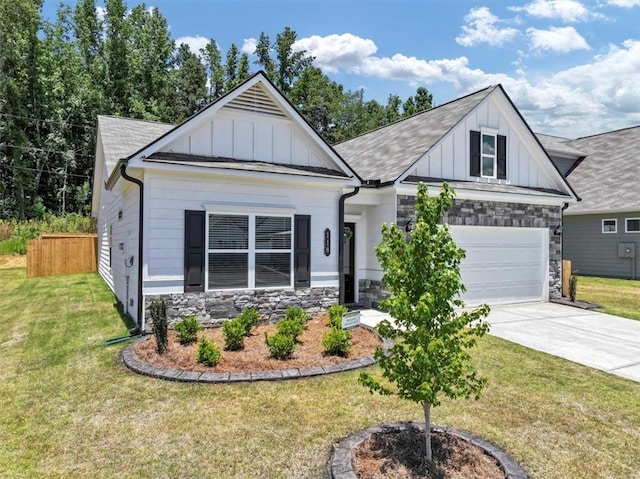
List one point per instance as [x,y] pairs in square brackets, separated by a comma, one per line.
[244,204]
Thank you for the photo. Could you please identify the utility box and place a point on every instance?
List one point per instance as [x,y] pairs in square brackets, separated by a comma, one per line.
[626,250]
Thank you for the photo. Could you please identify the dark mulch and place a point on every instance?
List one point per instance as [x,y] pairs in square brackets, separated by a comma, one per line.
[400,455]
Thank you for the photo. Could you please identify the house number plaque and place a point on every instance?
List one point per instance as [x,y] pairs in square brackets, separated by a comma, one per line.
[327,242]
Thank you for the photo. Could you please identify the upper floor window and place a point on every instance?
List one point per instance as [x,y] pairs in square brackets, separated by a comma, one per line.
[610,226]
[488,168]
[488,155]
[632,225]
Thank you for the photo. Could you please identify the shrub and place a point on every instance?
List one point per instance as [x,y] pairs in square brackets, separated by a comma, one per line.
[573,286]
[249,318]
[290,327]
[335,313]
[158,310]
[280,346]
[234,333]
[296,313]
[187,330]
[207,353]
[337,342]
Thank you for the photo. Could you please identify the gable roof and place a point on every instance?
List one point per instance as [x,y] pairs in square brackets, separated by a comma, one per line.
[559,145]
[607,179]
[389,151]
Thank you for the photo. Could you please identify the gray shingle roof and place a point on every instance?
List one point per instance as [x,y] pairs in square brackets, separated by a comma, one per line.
[557,144]
[121,137]
[483,186]
[608,179]
[384,154]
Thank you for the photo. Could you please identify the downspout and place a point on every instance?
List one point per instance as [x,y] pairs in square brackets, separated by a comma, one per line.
[343,198]
[123,171]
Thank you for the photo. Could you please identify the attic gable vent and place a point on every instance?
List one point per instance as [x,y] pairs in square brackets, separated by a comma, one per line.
[256,99]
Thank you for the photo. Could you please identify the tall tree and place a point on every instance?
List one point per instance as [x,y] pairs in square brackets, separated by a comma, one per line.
[190,79]
[263,54]
[231,68]
[215,72]
[290,63]
[392,110]
[116,57]
[243,68]
[423,99]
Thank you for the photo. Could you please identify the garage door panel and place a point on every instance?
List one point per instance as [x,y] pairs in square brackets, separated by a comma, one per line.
[502,265]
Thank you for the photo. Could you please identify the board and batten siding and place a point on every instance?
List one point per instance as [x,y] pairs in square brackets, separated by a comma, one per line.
[449,158]
[167,198]
[243,136]
[594,253]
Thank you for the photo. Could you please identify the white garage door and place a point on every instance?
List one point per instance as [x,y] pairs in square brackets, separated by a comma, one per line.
[503,265]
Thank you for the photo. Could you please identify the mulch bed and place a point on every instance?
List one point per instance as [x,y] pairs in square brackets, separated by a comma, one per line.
[255,355]
[400,455]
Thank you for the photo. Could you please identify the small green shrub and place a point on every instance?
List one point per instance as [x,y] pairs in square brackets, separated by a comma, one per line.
[573,286]
[234,333]
[249,318]
[208,353]
[158,310]
[290,327]
[280,346]
[337,342]
[296,313]
[187,330]
[335,313]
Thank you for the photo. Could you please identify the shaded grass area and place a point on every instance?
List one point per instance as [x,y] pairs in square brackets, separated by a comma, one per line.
[71,409]
[614,296]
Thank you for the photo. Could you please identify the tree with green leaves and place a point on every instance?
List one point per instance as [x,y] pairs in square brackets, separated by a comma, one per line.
[117,48]
[290,63]
[190,83]
[423,99]
[243,68]
[263,54]
[215,72]
[429,358]
[231,68]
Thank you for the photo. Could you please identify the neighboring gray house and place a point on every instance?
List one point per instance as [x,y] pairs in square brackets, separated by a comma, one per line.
[601,232]
[245,205]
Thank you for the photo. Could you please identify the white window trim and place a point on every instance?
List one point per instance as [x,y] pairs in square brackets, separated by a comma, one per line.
[626,225]
[615,226]
[494,134]
[251,250]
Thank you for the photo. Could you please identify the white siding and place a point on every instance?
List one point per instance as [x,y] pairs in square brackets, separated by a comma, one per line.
[168,197]
[526,163]
[234,134]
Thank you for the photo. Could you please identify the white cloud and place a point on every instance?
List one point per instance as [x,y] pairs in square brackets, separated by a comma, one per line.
[101,12]
[335,52]
[557,39]
[565,10]
[249,46]
[624,3]
[481,28]
[195,43]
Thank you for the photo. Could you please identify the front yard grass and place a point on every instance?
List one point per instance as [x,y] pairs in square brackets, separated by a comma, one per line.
[620,297]
[70,409]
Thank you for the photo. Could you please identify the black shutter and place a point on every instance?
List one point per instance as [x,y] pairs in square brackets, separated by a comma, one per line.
[194,251]
[302,252]
[502,157]
[474,153]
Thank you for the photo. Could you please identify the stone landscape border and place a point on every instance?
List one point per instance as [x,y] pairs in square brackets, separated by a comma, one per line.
[340,464]
[131,360]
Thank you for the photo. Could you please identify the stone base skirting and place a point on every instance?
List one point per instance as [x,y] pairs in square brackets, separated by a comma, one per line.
[371,292]
[213,307]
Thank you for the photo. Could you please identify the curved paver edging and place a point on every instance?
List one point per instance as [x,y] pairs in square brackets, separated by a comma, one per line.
[340,464]
[131,360]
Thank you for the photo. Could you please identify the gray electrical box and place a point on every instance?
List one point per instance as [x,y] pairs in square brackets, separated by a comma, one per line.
[626,250]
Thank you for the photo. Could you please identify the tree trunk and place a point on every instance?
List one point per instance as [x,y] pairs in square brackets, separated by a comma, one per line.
[427,430]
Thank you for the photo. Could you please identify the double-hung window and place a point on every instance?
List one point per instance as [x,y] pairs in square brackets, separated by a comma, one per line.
[249,251]
[488,155]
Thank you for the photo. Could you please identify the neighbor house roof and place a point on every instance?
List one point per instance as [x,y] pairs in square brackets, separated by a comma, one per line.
[122,137]
[607,180]
[557,144]
[384,154]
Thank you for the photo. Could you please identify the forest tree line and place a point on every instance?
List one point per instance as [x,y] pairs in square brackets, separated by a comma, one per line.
[56,76]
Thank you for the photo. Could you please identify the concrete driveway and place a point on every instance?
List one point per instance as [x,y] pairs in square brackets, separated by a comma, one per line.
[598,340]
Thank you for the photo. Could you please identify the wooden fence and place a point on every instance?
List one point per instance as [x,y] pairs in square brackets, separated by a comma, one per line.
[55,254]
[566,274]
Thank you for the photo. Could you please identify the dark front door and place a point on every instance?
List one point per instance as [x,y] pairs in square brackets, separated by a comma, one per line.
[349,262]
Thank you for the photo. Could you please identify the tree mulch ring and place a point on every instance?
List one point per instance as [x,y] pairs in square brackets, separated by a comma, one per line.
[255,355]
[397,451]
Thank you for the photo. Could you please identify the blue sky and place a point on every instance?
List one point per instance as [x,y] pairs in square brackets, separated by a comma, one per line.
[572,67]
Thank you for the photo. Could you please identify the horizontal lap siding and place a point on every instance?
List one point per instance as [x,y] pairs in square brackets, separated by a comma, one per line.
[168,198]
[594,253]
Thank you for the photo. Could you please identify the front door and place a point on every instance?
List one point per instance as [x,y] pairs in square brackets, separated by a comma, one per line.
[349,263]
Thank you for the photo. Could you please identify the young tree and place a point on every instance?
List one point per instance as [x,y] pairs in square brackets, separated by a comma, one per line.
[429,358]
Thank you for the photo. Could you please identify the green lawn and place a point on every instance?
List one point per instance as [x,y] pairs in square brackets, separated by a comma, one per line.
[70,409]
[614,296]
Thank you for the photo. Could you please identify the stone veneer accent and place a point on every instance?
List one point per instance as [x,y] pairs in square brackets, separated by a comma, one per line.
[213,307]
[371,292]
[493,213]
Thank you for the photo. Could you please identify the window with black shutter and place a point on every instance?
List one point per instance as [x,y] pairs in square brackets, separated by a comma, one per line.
[302,251]
[487,155]
[194,250]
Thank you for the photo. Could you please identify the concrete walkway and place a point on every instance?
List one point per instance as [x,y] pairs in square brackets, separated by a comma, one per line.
[597,340]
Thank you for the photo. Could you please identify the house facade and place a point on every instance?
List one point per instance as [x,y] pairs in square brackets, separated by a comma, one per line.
[244,205]
[602,232]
